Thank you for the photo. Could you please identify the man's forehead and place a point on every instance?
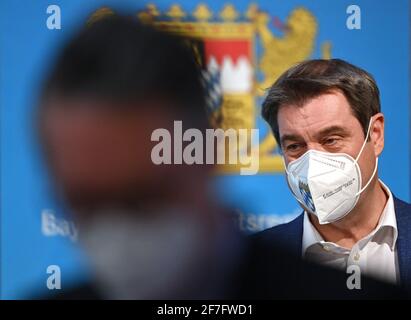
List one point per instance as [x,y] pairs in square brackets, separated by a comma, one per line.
[331,109]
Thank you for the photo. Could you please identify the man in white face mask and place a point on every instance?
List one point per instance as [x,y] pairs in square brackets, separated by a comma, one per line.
[325,115]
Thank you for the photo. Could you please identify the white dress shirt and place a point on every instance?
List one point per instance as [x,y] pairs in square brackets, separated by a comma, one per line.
[375,254]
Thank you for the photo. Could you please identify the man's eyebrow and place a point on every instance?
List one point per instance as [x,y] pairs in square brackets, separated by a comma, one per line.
[332,130]
[290,137]
[324,132]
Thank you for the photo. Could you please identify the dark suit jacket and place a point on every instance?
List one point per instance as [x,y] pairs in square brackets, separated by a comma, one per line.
[290,235]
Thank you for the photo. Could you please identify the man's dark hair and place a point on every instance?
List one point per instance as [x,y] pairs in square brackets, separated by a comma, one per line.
[313,78]
[120,59]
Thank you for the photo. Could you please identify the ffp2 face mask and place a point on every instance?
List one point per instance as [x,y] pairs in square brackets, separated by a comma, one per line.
[327,184]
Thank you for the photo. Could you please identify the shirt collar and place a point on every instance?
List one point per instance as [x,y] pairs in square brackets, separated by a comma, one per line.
[388,218]
[311,236]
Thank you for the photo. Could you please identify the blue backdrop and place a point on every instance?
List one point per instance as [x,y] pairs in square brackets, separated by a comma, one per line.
[34,232]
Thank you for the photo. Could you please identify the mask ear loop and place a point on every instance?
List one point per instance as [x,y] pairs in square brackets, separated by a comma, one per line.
[376,161]
[365,140]
[369,181]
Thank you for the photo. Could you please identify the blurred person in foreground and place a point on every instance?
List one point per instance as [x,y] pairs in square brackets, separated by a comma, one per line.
[151,231]
[326,117]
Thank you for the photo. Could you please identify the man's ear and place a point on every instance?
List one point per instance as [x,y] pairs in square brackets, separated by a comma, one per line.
[377,133]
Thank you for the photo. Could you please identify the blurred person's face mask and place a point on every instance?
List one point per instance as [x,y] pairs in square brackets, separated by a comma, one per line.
[327,185]
[141,257]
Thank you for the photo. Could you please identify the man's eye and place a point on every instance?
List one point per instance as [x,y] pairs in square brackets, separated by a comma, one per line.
[293,147]
[330,141]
